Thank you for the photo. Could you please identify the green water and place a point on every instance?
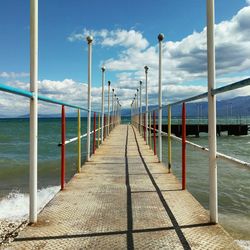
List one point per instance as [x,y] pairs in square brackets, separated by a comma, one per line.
[233,182]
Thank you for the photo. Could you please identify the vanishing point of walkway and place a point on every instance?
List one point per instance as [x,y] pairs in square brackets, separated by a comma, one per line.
[123,199]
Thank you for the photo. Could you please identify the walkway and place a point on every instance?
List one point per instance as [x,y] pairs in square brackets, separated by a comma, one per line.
[123,199]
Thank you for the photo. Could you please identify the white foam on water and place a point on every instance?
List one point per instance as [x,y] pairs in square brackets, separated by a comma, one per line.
[15,206]
[244,244]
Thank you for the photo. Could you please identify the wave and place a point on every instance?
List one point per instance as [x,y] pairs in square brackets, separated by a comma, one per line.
[244,244]
[15,206]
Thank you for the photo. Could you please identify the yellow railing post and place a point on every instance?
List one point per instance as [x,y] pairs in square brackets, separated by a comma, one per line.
[169,140]
[79,142]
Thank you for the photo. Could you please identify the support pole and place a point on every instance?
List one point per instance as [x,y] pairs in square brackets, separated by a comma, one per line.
[33,110]
[183,146]
[89,40]
[63,130]
[160,39]
[94,133]
[103,81]
[169,140]
[79,142]
[146,101]
[108,128]
[154,134]
[212,140]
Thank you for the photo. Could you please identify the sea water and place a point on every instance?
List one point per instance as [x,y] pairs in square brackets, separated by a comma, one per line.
[233,181]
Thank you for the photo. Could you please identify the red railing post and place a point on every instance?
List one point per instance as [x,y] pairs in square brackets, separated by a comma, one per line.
[183,146]
[154,134]
[63,137]
[94,134]
[144,126]
[104,134]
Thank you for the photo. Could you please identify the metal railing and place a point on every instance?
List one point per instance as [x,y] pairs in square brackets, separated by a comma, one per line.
[144,129]
[112,117]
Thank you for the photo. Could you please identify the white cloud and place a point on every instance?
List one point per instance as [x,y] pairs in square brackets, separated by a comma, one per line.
[248,2]
[119,37]
[13,74]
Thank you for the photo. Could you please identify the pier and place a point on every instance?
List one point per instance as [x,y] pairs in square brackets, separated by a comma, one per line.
[122,196]
[124,199]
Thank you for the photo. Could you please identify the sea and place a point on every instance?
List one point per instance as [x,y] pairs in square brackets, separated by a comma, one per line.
[233,181]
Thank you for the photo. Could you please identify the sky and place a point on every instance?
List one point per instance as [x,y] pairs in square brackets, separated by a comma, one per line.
[125,40]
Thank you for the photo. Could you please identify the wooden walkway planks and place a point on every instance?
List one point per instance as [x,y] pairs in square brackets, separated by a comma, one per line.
[123,199]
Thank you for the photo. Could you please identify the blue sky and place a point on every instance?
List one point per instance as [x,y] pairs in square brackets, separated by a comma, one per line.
[63,25]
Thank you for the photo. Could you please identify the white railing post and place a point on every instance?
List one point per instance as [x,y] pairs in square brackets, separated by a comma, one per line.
[141,130]
[213,196]
[33,110]
[160,39]
[89,40]
[108,106]
[146,101]
[103,81]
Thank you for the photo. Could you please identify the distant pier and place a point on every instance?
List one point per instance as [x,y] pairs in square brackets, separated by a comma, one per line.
[196,129]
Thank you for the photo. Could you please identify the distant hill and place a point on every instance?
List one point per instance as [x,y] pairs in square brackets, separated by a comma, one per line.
[238,106]
[235,107]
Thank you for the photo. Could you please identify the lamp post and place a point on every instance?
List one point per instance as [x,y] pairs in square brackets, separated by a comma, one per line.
[146,101]
[103,81]
[89,40]
[213,195]
[109,83]
[160,39]
[33,110]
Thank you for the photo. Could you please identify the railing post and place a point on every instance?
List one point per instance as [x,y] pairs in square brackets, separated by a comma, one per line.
[160,39]
[89,40]
[150,126]
[103,81]
[154,133]
[112,119]
[144,126]
[140,112]
[105,133]
[99,127]
[137,111]
[213,192]
[183,146]
[94,133]
[33,110]
[108,127]
[63,137]
[146,97]
[79,142]
[169,140]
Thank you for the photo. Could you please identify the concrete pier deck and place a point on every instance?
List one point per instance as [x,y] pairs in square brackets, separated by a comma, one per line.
[123,199]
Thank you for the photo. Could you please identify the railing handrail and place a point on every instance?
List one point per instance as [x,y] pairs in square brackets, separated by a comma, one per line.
[29,94]
[223,89]
[239,162]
